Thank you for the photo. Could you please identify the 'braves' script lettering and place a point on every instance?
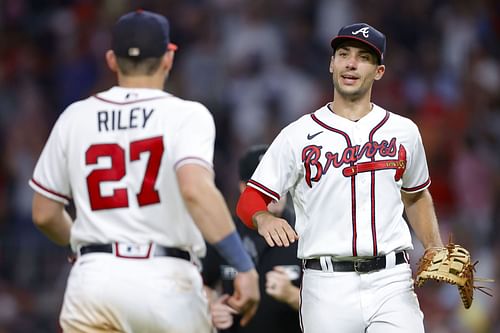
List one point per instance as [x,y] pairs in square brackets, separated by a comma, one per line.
[315,169]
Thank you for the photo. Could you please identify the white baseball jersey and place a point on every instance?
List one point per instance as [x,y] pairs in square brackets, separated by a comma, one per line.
[345,178]
[115,154]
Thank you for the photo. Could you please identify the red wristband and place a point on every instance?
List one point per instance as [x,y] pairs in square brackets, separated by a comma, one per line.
[251,201]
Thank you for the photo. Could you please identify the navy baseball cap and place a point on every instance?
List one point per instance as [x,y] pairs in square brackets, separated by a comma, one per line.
[141,34]
[364,33]
[249,161]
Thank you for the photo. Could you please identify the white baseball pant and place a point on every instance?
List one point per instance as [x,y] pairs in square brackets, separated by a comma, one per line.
[378,302]
[110,294]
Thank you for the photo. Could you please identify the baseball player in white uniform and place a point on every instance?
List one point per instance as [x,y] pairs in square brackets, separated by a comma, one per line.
[137,163]
[352,168]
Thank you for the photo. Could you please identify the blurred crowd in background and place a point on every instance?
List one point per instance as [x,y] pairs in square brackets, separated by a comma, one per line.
[258,65]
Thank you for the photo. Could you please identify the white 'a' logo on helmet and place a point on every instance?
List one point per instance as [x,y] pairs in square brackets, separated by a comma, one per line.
[364,31]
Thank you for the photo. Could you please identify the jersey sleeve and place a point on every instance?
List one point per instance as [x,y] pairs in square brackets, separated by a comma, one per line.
[50,177]
[277,171]
[416,177]
[196,139]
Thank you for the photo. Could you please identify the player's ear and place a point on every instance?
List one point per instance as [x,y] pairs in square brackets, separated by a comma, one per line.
[111,61]
[168,60]
[331,63]
[380,72]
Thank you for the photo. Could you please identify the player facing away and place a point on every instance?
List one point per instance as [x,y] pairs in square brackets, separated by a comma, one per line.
[352,168]
[137,162]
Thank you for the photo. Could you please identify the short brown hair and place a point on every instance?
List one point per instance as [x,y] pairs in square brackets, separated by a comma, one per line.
[132,67]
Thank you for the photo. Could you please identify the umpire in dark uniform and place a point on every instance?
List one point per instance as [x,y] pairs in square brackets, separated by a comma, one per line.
[279,271]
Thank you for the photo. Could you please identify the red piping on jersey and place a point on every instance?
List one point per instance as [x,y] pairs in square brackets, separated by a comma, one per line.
[62,196]
[417,188]
[372,189]
[353,182]
[267,191]
[130,102]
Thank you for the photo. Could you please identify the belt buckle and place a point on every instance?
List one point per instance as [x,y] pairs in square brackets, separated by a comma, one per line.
[357,263]
[133,251]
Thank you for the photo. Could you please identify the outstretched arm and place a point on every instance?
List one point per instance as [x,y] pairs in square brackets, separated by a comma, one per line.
[252,210]
[210,213]
[205,202]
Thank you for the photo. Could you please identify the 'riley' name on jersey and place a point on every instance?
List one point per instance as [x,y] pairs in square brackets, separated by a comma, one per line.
[113,120]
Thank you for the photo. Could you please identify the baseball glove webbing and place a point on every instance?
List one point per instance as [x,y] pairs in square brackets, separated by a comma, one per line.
[451,264]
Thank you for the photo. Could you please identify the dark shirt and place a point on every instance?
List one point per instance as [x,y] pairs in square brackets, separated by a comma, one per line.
[272,315]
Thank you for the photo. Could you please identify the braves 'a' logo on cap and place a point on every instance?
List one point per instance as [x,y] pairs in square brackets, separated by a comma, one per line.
[364,31]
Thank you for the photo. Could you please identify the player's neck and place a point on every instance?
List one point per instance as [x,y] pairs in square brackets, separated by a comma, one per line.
[351,109]
[141,81]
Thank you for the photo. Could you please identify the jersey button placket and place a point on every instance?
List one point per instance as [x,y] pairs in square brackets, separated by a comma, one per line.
[362,197]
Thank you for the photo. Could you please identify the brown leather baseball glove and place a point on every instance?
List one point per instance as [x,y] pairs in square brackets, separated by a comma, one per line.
[451,264]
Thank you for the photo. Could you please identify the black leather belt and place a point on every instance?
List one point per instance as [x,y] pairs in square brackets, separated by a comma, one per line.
[158,251]
[357,265]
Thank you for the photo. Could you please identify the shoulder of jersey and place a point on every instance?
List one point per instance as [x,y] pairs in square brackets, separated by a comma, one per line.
[190,109]
[182,104]
[74,107]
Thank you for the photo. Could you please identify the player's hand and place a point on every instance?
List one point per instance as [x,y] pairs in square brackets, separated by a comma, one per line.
[222,314]
[430,252]
[275,230]
[279,286]
[246,296]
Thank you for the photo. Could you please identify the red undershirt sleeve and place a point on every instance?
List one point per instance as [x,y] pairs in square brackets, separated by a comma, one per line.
[251,201]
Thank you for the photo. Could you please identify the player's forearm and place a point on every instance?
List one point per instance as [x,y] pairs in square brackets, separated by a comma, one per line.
[210,213]
[205,202]
[422,217]
[250,205]
[51,219]
[58,230]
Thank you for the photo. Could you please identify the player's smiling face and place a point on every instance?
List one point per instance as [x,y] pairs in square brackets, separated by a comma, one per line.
[354,67]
